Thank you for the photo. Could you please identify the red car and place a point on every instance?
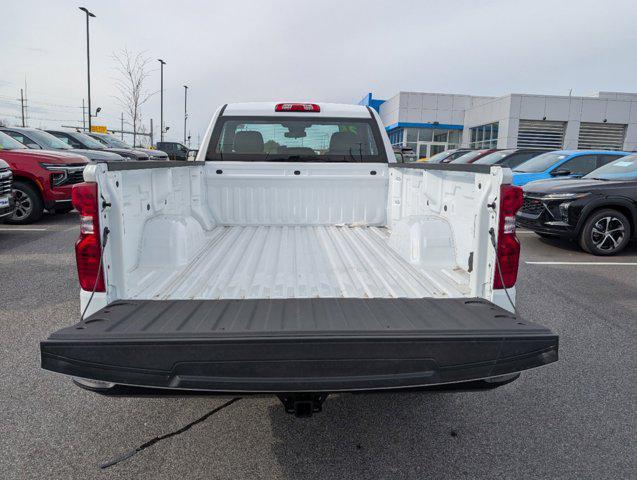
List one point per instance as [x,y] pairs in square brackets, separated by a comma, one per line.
[42,179]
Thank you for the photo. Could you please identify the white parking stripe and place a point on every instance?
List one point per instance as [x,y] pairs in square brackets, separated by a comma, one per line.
[22,229]
[583,263]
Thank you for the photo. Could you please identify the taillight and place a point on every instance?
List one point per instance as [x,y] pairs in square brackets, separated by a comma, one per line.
[297,107]
[88,249]
[508,250]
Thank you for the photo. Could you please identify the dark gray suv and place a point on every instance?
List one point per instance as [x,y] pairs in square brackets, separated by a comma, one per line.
[85,142]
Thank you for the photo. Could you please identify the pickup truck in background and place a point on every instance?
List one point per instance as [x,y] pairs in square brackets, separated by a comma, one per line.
[296,258]
[174,150]
[42,179]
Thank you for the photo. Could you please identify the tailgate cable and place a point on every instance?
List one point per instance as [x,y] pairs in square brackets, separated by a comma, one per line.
[99,271]
[497,262]
[150,443]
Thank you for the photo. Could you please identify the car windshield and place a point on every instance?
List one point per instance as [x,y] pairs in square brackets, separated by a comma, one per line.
[46,140]
[493,158]
[439,157]
[467,157]
[8,143]
[624,168]
[540,163]
[87,141]
[111,141]
[285,139]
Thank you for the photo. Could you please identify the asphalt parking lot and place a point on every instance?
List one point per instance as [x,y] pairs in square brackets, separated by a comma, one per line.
[572,419]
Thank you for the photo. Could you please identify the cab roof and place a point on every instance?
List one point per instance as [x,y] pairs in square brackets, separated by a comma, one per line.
[267,109]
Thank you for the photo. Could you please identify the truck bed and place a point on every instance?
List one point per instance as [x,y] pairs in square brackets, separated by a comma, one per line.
[263,262]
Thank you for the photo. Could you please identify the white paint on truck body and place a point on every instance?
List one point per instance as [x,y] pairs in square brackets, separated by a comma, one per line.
[260,230]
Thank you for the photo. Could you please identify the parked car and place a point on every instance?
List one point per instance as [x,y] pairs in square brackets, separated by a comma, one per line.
[84,142]
[41,179]
[174,150]
[404,155]
[7,200]
[41,140]
[113,142]
[473,155]
[510,158]
[447,156]
[327,272]
[598,210]
[563,164]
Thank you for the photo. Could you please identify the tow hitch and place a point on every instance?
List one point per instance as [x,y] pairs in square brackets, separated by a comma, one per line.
[303,404]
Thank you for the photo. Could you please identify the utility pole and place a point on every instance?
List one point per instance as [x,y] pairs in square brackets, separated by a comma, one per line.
[123,127]
[161,101]
[88,63]
[185,110]
[22,106]
[151,133]
[83,116]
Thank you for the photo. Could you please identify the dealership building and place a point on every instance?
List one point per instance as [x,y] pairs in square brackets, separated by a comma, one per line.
[432,122]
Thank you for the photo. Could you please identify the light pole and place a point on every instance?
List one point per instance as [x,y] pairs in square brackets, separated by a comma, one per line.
[161,101]
[88,64]
[185,110]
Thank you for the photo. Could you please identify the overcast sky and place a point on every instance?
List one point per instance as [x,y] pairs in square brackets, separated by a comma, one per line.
[228,51]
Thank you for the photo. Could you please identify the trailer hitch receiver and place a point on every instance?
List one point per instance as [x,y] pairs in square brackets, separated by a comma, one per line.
[303,404]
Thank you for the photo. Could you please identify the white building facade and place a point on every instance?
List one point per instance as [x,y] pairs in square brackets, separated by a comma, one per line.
[432,122]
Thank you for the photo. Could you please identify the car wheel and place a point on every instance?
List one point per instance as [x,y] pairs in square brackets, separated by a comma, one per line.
[606,232]
[29,206]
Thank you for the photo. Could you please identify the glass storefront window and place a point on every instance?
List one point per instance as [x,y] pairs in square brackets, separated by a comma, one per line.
[441,135]
[454,136]
[412,134]
[484,136]
[425,135]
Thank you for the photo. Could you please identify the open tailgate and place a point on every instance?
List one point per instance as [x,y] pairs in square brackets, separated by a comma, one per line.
[298,345]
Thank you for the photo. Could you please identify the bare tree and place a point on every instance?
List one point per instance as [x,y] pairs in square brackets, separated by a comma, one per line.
[133,71]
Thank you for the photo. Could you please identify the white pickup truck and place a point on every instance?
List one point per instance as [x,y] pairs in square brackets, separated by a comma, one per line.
[296,258]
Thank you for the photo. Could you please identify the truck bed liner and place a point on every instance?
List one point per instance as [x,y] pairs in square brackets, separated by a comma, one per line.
[297,262]
[330,344]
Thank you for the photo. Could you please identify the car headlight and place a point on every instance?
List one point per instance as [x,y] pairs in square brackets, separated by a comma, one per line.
[565,196]
[54,166]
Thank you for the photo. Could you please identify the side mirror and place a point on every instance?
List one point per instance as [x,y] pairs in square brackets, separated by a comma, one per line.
[560,173]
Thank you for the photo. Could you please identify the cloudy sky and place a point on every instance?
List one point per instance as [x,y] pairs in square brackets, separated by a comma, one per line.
[248,50]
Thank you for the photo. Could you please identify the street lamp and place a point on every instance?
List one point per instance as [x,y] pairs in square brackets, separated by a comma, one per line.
[161,101]
[185,110]
[88,64]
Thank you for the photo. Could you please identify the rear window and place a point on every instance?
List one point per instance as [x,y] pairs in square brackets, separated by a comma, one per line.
[294,139]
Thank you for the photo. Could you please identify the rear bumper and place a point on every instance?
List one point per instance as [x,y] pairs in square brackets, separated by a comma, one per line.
[427,342]
[539,225]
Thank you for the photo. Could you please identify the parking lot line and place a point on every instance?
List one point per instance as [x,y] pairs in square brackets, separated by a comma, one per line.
[22,229]
[583,263]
